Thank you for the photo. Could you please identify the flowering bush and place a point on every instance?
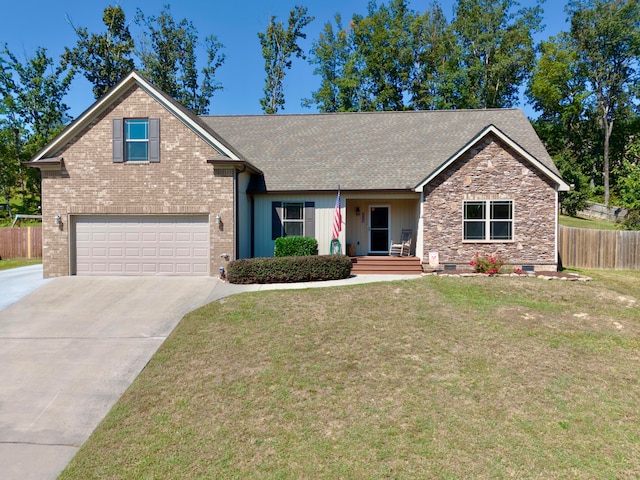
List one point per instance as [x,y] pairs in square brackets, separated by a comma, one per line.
[489,264]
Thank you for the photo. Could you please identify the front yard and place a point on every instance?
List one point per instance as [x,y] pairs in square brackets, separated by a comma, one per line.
[436,377]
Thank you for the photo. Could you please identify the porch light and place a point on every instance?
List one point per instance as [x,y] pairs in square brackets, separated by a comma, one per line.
[218,219]
[56,220]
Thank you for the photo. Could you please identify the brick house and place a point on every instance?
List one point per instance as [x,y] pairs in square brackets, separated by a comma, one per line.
[138,185]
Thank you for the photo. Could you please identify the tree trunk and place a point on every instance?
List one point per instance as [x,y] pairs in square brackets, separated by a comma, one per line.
[608,128]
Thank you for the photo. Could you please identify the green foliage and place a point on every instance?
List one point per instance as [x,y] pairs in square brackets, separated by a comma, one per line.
[278,45]
[289,269]
[394,58]
[32,112]
[295,246]
[606,37]
[496,51]
[169,60]
[103,58]
[339,85]
[485,263]
[628,187]
[632,222]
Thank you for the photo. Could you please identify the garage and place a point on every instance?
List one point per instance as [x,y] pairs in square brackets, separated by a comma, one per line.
[142,245]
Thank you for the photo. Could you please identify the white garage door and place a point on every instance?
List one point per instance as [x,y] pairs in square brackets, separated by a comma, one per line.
[142,245]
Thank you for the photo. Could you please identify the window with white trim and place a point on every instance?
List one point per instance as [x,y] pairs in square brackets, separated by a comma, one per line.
[293,219]
[136,139]
[487,220]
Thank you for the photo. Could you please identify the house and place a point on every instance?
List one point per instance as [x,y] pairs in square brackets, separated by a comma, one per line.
[138,185]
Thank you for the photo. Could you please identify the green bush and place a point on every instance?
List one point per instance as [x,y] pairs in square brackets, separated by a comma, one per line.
[295,246]
[289,269]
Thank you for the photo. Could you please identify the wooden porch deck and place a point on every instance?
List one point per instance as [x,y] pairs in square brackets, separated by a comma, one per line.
[386,265]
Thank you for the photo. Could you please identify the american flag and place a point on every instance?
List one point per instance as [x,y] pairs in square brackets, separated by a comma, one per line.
[337,218]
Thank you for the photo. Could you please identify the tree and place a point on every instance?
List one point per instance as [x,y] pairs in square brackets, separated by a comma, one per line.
[103,58]
[496,51]
[169,60]
[434,56]
[32,112]
[382,41]
[606,35]
[332,55]
[278,45]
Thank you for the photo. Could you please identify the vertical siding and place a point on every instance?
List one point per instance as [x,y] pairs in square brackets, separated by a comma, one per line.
[403,214]
[324,210]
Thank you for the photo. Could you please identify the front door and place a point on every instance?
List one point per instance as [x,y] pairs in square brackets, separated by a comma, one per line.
[378,229]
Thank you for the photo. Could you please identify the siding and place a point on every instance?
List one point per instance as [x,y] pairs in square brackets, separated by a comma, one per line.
[323,213]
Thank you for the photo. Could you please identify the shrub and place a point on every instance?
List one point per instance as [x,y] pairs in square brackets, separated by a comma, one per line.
[632,221]
[289,269]
[295,246]
[489,264]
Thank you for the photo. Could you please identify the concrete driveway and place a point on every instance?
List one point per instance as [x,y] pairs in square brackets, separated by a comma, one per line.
[70,349]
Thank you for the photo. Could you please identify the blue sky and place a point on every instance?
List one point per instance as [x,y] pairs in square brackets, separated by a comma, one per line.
[29,24]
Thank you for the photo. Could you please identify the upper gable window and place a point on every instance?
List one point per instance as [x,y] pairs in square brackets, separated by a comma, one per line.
[136,137]
[136,140]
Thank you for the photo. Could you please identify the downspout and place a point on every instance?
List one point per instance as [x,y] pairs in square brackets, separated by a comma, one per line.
[557,228]
[253,226]
[236,214]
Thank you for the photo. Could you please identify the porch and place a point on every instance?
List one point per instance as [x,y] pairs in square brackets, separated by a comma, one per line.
[373,223]
[386,265]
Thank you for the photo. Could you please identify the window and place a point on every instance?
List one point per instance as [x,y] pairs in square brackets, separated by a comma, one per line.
[136,140]
[292,219]
[136,137]
[488,220]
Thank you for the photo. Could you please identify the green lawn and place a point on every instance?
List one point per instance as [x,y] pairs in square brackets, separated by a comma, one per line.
[580,222]
[438,377]
[18,262]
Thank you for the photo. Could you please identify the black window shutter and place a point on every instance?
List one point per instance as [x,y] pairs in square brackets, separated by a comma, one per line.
[309,219]
[154,140]
[276,220]
[118,142]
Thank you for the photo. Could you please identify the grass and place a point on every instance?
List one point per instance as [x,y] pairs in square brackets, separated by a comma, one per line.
[580,222]
[438,377]
[18,262]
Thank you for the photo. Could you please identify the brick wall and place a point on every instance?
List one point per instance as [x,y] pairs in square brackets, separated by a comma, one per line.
[90,183]
[491,171]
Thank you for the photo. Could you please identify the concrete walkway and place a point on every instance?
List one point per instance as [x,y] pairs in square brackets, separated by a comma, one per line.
[71,348]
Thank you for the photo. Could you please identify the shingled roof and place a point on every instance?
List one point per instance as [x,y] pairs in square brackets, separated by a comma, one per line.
[364,151]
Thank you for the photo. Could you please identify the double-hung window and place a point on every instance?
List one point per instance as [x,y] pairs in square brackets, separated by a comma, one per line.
[136,138]
[488,220]
[293,219]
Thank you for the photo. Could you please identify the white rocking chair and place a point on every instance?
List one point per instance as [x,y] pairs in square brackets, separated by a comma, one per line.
[404,247]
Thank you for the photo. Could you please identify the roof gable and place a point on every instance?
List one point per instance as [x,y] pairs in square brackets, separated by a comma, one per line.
[493,130]
[192,121]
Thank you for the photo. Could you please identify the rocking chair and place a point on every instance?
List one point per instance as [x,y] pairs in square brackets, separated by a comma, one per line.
[404,247]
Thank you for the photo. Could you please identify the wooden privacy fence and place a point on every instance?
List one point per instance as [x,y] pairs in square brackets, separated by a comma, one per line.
[21,242]
[606,249]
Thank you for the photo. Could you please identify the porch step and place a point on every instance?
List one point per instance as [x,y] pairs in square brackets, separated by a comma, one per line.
[386,265]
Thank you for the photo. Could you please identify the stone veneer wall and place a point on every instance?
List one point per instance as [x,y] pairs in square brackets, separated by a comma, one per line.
[491,171]
[90,183]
